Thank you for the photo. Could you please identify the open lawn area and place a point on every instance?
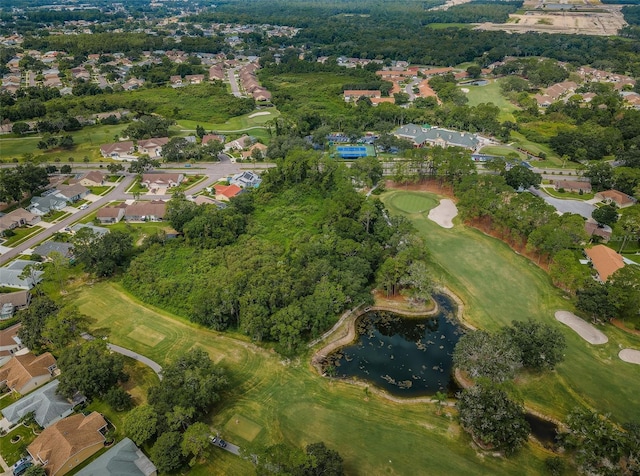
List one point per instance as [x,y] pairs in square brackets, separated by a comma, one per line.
[273,400]
[490,93]
[535,148]
[12,452]
[503,150]
[567,195]
[497,286]
[22,234]
[87,142]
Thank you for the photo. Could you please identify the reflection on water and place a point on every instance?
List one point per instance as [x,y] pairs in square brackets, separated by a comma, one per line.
[405,356]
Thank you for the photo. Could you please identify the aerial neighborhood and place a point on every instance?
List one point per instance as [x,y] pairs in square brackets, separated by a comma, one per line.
[310,238]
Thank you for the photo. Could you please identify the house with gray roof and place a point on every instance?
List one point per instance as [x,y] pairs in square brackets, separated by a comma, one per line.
[436,136]
[98,230]
[43,205]
[124,459]
[47,406]
[246,179]
[48,247]
[10,275]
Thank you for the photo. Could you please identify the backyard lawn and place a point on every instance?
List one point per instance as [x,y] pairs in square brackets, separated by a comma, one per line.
[498,286]
[274,400]
[12,452]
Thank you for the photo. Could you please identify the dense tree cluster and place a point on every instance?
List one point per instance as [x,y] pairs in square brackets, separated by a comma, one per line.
[190,385]
[497,357]
[279,263]
[102,255]
[22,180]
[316,460]
[493,418]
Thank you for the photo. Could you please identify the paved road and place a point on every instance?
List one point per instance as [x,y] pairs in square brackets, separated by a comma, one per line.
[566,206]
[215,171]
[231,74]
[409,88]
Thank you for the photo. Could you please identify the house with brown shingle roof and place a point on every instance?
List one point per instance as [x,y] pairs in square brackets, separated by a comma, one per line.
[17,218]
[592,229]
[110,214]
[161,180]
[25,372]
[10,343]
[9,302]
[209,137]
[355,94]
[72,193]
[605,261]
[152,147]
[246,154]
[90,179]
[146,211]
[573,186]
[117,150]
[64,445]
[616,197]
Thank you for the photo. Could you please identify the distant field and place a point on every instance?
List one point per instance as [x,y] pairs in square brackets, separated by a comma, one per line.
[498,286]
[490,93]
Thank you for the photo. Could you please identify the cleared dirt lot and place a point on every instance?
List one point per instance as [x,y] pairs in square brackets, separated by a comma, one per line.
[604,20]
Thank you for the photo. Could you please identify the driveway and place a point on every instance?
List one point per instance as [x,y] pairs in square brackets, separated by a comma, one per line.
[578,207]
[231,448]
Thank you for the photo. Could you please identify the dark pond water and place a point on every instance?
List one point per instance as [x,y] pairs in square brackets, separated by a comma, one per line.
[407,357]
[544,431]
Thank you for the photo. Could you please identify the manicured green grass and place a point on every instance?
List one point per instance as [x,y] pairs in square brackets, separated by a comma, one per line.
[190,181]
[87,143]
[535,148]
[503,150]
[101,190]
[290,403]
[12,452]
[22,234]
[498,286]
[9,399]
[490,93]
[243,122]
[568,195]
[54,216]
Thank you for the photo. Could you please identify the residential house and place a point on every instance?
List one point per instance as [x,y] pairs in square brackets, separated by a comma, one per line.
[246,179]
[132,84]
[90,179]
[68,442]
[216,72]
[355,94]
[26,372]
[427,135]
[72,193]
[96,230]
[117,150]
[124,459]
[621,200]
[48,247]
[146,211]
[12,275]
[49,203]
[261,148]
[226,192]
[239,144]
[176,81]
[47,406]
[575,186]
[260,94]
[209,137]
[194,78]
[605,261]
[17,218]
[161,180]
[109,215]
[592,229]
[10,302]
[10,343]
[376,101]
[152,147]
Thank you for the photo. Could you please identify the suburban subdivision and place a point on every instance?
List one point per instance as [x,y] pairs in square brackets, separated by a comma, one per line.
[308,238]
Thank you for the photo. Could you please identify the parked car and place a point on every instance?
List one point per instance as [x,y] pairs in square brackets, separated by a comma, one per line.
[222,443]
[21,466]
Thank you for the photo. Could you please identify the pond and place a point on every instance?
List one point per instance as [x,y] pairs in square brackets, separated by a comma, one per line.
[408,357]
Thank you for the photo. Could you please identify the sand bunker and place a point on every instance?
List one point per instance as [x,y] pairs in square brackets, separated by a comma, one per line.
[630,355]
[263,113]
[464,90]
[443,214]
[582,328]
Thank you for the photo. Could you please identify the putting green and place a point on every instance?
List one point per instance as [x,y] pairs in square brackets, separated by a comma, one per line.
[409,202]
[146,336]
[243,427]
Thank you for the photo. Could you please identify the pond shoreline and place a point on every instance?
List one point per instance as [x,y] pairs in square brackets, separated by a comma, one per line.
[344,333]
